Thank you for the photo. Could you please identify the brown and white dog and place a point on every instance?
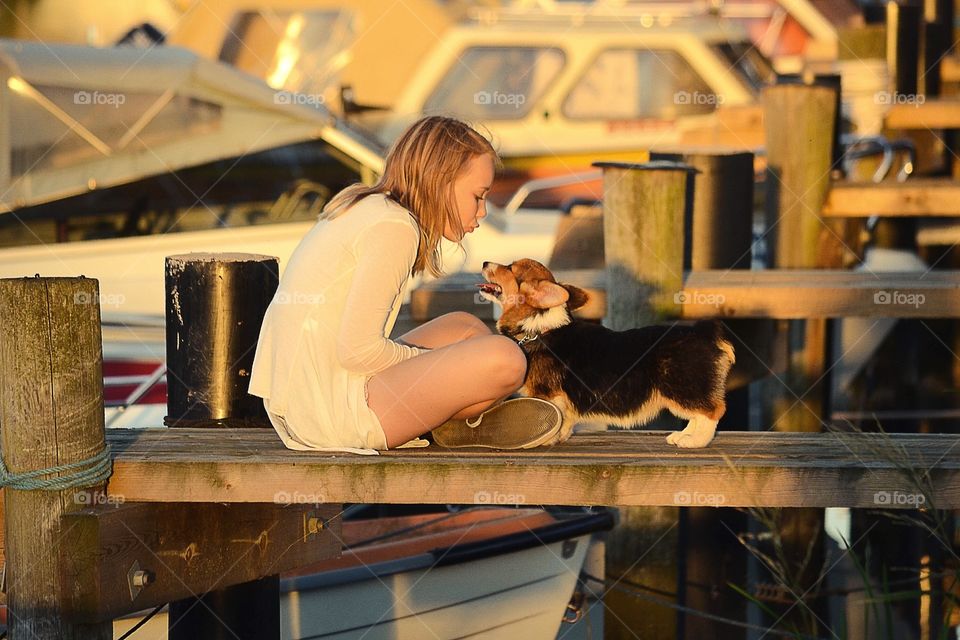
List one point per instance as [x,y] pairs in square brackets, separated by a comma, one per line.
[594,374]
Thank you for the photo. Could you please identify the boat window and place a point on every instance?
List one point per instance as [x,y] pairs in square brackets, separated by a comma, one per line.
[300,51]
[751,66]
[627,84]
[495,83]
[69,126]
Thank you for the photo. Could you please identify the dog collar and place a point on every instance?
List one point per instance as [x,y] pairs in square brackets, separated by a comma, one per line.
[527,338]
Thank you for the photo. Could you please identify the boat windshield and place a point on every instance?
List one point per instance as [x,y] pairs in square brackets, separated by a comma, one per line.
[70,126]
[639,83]
[495,83]
[750,65]
[298,51]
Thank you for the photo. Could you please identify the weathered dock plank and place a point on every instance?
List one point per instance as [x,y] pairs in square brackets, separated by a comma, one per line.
[813,293]
[607,468]
[735,293]
[932,113]
[919,197]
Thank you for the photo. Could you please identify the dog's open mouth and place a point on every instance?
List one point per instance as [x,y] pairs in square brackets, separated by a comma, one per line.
[490,288]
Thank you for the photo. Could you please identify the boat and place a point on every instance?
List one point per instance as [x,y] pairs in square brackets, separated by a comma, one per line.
[477,572]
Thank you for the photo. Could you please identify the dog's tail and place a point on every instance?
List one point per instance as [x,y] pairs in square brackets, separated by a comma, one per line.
[716,330]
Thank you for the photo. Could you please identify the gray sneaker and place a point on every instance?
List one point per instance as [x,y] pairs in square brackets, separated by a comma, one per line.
[520,423]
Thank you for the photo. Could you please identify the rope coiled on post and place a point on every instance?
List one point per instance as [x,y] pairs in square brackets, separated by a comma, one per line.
[84,473]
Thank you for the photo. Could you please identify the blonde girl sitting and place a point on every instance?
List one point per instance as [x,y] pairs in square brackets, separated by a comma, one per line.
[330,376]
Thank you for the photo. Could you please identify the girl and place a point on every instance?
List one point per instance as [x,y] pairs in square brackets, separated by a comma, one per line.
[329,375]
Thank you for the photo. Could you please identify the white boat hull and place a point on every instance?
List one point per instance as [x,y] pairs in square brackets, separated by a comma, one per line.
[518,595]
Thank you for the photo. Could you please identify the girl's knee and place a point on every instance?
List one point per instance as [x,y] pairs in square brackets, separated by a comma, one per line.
[470,324]
[508,362]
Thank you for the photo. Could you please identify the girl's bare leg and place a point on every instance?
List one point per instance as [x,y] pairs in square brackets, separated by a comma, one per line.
[448,329]
[445,330]
[462,378]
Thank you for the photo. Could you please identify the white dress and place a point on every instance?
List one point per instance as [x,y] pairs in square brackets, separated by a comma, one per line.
[326,330]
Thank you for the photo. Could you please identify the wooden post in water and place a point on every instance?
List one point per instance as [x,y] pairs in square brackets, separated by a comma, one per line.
[799,128]
[51,403]
[646,211]
[722,238]
[799,121]
[215,306]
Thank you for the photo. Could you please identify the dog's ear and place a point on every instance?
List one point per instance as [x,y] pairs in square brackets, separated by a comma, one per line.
[578,297]
[544,295]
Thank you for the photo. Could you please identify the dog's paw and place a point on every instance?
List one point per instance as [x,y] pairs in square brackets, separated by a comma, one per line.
[562,436]
[557,439]
[685,440]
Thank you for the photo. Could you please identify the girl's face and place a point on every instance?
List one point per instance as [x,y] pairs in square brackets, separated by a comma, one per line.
[470,192]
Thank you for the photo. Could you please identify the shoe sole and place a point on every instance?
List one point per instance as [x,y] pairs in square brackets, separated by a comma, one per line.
[520,423]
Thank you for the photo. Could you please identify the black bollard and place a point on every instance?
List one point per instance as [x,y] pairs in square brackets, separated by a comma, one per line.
[215,306]
[904,21]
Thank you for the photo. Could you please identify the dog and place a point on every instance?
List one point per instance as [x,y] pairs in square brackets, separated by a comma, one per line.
[594,374]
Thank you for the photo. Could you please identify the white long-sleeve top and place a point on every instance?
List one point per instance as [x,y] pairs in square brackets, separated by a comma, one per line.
[326,330]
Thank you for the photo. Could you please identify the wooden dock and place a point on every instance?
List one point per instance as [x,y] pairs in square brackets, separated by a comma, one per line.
[603,468]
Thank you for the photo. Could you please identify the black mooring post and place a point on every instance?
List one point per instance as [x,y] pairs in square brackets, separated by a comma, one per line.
[938,40]
[904,21]
[215,306]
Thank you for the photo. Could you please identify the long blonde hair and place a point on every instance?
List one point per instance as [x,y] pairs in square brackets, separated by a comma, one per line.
[419,175]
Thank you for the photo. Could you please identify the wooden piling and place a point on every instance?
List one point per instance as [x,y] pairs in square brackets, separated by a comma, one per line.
[799,127]
[51,403]
[799,122]
[722,227]
[722,238]
[215,306]
[647,209]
